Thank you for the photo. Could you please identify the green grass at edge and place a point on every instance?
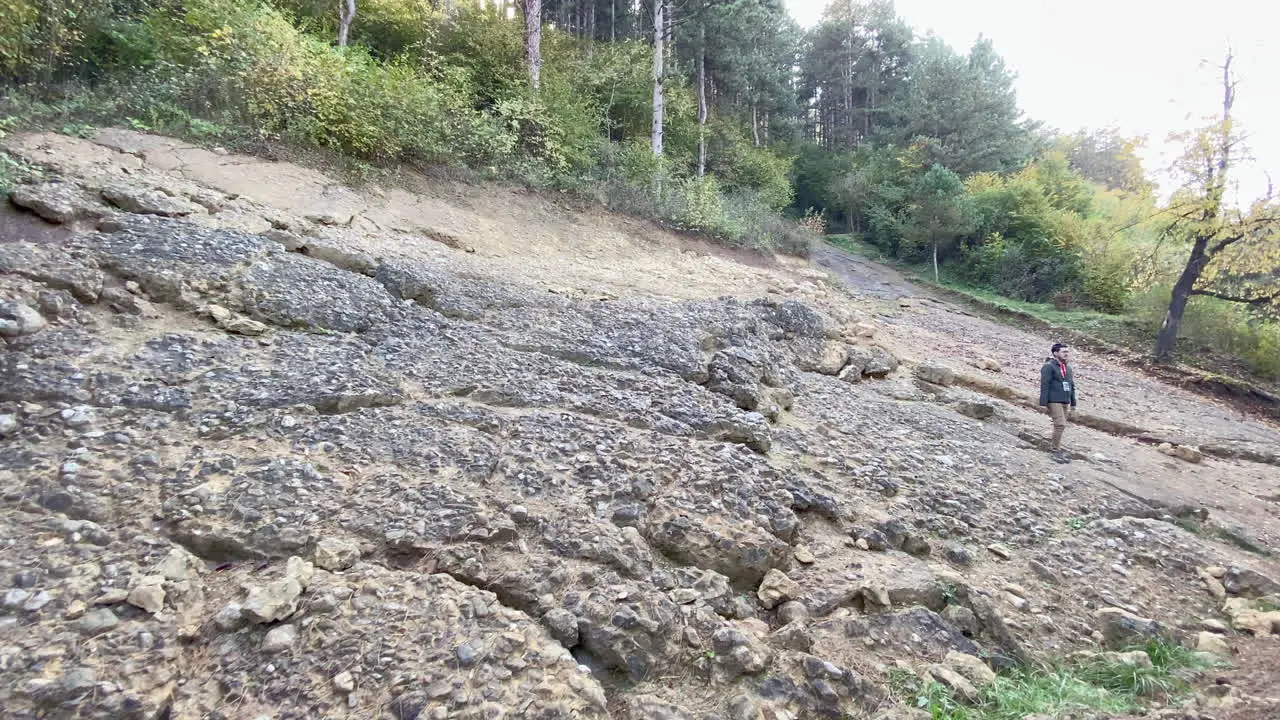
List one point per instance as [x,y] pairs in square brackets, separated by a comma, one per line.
[1065,687]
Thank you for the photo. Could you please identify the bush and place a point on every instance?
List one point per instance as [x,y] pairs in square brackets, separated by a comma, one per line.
[40,42]
[751,223]
[245,61]
[1105,283]
[814,173]
[703,205]
[411,88]
[389,28]
[814,222]
[1031,271]
[1217,325]
[634,181]
[742,166]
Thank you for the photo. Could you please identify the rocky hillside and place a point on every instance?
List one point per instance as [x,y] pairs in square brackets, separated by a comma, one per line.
[272,447]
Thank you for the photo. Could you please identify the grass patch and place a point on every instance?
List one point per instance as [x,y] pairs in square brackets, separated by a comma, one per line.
[854,244]
[1240,540]
[1232,536]
[12,170]
[1064,688]
[1116,329]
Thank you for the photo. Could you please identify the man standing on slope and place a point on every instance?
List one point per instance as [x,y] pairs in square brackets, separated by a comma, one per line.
[1058,393]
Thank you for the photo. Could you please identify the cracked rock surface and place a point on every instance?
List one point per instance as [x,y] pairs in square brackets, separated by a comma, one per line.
[414,488]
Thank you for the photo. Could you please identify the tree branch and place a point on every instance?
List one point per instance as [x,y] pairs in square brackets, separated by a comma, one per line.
[1257,301]
[1227,242]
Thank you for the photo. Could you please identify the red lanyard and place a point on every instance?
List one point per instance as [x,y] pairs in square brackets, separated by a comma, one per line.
[1063,366]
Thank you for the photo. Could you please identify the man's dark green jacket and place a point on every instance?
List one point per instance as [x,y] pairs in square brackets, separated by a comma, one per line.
[1052,388]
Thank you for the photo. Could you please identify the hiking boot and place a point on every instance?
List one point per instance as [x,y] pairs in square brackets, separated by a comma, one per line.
[1060,456]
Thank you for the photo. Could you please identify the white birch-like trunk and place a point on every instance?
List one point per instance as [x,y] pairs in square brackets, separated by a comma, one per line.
[346,16]
[659,55]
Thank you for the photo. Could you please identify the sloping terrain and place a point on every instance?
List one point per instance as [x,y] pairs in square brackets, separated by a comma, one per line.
[275,447]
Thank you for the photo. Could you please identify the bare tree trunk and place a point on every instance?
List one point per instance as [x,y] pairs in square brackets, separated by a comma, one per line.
[1209,224]
[659,54]
[1168,335]
[669,21]
[871,108]
[935,261]
[613,21]
[533,42]
[346,15]
[755,125]
[702,100]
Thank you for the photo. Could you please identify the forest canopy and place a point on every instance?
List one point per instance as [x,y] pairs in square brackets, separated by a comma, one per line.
[722,117]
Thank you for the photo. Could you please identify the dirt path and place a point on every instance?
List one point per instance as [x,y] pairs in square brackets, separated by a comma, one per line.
[508,233]
[1239,493]
[864,277]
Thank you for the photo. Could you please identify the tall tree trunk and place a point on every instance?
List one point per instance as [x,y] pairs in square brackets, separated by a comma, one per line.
[659,54]
[1209,224]
[533,42]
[702,100]
[755,125]
[1168,335]
[346,15]
[613,21]
[871,108]
[669,21]
[935,262]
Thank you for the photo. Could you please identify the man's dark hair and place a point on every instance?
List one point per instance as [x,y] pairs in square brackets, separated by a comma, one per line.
[1057,347]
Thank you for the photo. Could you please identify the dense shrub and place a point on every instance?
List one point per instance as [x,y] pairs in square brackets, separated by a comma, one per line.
[742,166]
[1104,282]
[1031,271]
[414,86]
[1221,326]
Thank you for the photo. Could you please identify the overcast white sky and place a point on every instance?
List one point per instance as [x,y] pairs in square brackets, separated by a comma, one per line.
[1145,66]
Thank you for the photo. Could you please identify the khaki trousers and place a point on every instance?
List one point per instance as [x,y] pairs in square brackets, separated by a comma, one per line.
[1059,412]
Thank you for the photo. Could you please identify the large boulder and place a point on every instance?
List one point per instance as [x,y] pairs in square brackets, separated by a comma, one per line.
[1121,628]
[740,550]
[275,600]
[18,319]
[825,357]
[793,319]
[936,374]
[57,202]
[1249,583]
[634,636]
[146,201]
[738,652]
[53,267]
[191,265]
[777,588]
[868,362]
[920,629]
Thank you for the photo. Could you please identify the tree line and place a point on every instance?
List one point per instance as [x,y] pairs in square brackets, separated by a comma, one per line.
[720,116]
